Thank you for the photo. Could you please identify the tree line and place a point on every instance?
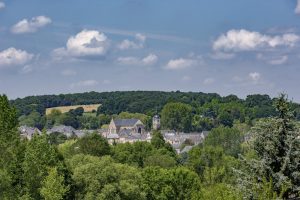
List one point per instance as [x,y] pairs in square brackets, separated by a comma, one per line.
[196,111]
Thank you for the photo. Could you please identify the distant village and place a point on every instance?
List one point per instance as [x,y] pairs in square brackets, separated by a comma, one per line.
[126,130]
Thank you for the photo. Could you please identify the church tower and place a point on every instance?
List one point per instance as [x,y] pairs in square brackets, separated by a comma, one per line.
[156,122]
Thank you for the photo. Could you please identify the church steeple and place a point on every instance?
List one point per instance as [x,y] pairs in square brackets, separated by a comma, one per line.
[156,121]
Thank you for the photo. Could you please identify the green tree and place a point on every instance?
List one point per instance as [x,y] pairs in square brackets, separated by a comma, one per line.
[53,187]
[225,119]
[39,156]
[157,140]
[102,178]
[92,144]
[69,119]
[229,139]
[34,119]
[10,150]
[276,144]
[77,112]
[178,183]
[160,160]
[53,118]
[177,116]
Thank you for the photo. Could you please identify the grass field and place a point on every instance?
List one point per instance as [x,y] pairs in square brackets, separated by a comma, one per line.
[64,109]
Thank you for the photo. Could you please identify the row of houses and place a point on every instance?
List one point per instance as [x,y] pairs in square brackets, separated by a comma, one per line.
[125,130]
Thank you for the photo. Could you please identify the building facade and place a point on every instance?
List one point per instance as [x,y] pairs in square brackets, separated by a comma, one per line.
[117,126]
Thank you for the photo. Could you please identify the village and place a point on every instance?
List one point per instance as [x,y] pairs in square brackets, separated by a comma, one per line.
[126,130]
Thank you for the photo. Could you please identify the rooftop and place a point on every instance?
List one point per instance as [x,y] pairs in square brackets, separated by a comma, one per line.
[125,122]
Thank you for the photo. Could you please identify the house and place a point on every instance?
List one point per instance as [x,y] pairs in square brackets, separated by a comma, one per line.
[28,132]
[129,125]
[68,131]
[113,138]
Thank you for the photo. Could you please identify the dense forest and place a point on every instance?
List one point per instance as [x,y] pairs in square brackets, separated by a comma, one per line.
[206,111]
[225,166]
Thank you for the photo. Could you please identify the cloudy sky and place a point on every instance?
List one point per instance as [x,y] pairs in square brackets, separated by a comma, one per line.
[229,47]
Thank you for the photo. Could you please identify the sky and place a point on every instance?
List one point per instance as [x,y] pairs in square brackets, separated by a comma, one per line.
[216,46]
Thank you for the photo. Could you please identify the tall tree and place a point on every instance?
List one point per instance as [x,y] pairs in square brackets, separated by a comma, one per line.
[53,187]
[9,150]
[39,156]
[276,143]
[92,144]
[229,139]
[177,116]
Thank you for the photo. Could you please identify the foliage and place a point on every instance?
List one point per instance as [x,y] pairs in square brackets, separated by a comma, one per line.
[211,164]
[51,167]
[276,144]
[229,139]
[102,178]
[39,156]
[177,183]
[92,144]
[157,140]
[220,191]
[11,151]
[53,187]
[177,116]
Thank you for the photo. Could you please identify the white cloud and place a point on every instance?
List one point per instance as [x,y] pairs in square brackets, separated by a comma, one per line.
[140,37]
[297,9]
[84,44]
[27,69]
[273,60]
[151,59]
[128,44]
[254,76]
[243,40]
[30,26]
[68,72]
[12,56]
[208,81]
[2,5]
[86,83]
[181,63]
[279,61]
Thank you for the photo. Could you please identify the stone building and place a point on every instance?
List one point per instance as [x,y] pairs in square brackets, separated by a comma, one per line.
[156,122]
[130,125]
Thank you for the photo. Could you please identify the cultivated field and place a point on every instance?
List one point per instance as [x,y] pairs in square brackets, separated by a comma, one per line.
[64,109]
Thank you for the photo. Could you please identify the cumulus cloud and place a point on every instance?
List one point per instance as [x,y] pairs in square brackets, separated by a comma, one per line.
[30,26]
[85,83]
[254,76]
[297,9]
[151,59]
[12,57]
[244,40]
[128,44]
[87,43]
[2,5]
[181,63]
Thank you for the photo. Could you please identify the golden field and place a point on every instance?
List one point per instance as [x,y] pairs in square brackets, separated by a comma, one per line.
[64,109]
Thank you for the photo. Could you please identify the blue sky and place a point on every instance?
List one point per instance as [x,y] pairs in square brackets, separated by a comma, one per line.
[229,47]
